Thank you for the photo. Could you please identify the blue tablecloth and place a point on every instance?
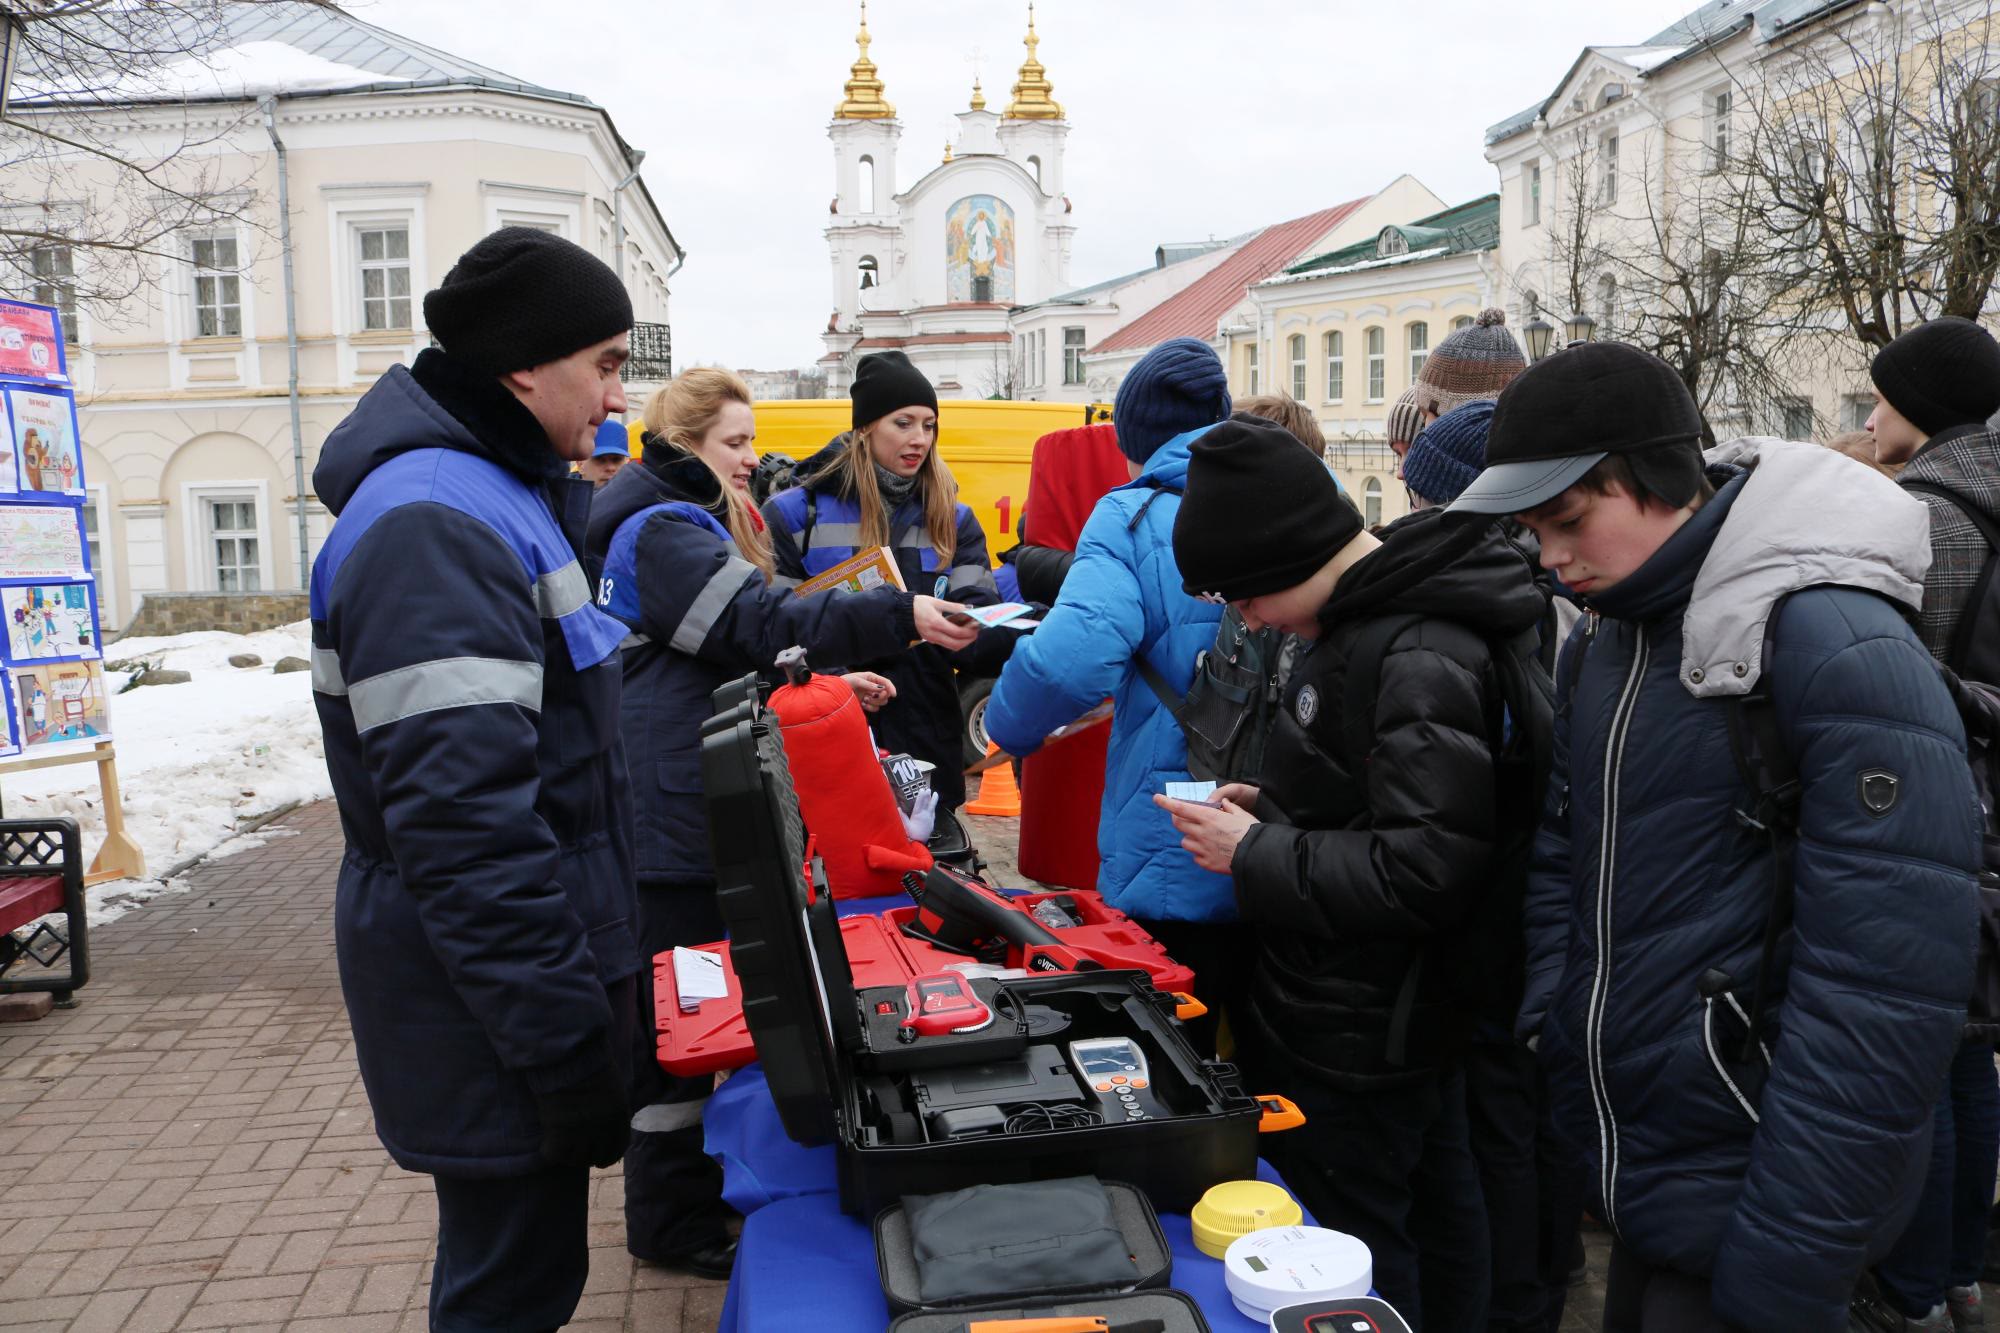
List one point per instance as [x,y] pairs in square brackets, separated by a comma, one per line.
[803,1263]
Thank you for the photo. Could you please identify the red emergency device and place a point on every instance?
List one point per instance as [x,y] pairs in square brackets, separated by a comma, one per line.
[844,796]
[941,1003]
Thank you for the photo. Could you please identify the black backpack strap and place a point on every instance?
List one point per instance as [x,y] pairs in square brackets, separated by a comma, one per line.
[1967,632]
[1774,789]
[1173,703]
[812,518]
[1158,490]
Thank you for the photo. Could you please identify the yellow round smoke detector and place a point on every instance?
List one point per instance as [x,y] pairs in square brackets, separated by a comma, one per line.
[1238,1207]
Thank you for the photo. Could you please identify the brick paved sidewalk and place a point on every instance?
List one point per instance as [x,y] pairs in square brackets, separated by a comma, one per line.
[191,1147]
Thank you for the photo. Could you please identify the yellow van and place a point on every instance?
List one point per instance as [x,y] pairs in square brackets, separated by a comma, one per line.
[986,443]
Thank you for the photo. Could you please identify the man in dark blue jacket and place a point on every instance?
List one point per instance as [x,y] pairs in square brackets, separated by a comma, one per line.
[468,694]
[1747,1183]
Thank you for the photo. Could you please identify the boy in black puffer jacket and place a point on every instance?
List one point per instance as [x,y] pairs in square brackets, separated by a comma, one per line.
[1358,870]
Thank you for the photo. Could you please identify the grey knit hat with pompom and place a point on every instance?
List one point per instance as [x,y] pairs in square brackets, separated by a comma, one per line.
[1472,363]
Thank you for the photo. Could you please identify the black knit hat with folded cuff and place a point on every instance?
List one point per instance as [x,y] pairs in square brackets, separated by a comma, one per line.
[1259,514]
[1941,374]
[1565,414]
[522,297]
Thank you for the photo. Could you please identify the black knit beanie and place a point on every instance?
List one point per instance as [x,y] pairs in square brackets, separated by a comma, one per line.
[522,297]
[1941,374]
[885,381]
[1259,514]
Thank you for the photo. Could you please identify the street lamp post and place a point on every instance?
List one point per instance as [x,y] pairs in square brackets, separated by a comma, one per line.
[1578,327]
[1539,333]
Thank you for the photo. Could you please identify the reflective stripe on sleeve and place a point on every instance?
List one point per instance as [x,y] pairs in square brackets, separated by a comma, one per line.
[709,604]
[448,682]
[326,676]
[971,576]
[561,591]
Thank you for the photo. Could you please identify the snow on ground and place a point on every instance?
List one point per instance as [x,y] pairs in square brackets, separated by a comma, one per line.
[196,761]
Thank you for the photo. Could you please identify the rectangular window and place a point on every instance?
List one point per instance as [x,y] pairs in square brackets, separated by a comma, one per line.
[1798,419]
[1336,368]
[218,290]
[230,534]
[55,283]
[385,277]
[1607,181]
[93,537]
[1072,356]
[1858,408]
[1420,349]
[1531,195]
[1255,385]
[1297,346]
[1718,130]
[1377,366]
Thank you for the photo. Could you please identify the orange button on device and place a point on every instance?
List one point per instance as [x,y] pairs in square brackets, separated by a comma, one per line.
[1138,1082]
[1104,1087]
[1117,1078]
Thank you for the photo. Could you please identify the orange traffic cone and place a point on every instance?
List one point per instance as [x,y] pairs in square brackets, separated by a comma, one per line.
[998,793]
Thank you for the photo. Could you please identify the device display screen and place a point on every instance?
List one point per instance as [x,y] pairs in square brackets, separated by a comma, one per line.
[1111,1057]
[1342,1322]
[940,994]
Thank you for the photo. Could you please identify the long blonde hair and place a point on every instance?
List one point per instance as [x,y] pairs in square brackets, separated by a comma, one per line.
[681,413]
[856,471]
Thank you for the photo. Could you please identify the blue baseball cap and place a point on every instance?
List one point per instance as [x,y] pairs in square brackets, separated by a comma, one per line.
[612,440]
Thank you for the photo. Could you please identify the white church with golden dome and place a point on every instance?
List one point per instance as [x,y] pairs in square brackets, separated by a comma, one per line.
[933,269]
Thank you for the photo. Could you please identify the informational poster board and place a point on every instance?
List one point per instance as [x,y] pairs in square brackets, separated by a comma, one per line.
[54,707]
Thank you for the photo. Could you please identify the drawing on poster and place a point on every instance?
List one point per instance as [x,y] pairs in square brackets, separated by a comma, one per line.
[41,542]
[44,438]
[10,738]
[49,620]
[62,701]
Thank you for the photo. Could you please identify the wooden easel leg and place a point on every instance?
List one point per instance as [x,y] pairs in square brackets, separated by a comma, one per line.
[119,857]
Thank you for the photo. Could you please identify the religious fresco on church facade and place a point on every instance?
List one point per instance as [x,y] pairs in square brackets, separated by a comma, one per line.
[979,250]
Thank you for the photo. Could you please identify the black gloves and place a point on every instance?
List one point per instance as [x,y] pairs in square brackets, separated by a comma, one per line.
[586,1123]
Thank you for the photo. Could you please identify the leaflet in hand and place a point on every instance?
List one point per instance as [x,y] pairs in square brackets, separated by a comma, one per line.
[1014,615]
[1198,793]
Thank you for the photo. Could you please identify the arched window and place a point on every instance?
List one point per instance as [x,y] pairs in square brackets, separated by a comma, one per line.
[1462,322]
[1296,345]
[867,273]
[1336,367]
[1420,348]
[1035,165]
[1378,369]
[1371,501]
[865,188]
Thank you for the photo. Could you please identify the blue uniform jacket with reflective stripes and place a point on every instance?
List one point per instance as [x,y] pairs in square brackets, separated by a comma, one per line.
[1779,1176]
[468,694]
[701,615]
[816,526]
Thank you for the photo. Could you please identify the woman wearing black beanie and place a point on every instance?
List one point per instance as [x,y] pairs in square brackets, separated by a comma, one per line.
[883,484]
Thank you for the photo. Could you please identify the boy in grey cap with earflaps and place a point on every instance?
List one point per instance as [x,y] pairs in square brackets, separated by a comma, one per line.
[1750,1167]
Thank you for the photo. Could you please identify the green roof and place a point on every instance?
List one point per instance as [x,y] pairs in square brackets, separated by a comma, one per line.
[1468,226]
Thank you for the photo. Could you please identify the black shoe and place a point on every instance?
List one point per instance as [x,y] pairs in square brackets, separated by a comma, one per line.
[713,1259]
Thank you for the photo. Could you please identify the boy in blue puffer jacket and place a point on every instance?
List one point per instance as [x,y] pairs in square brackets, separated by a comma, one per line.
[1747,1183]
[1122,602]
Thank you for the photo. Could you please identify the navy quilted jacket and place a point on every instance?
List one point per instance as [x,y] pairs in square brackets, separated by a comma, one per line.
[468,695]
[700,616]
[1779,1177]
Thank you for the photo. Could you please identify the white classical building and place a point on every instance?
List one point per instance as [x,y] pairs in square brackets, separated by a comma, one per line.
[934,269]
[396,157]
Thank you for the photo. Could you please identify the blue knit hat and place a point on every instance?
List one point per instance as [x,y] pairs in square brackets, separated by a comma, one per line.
[1449,453]
[1177,387]
[612,439]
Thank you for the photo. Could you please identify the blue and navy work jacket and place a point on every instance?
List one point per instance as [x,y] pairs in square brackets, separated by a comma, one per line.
[468,692]
[817,525]
[698,615]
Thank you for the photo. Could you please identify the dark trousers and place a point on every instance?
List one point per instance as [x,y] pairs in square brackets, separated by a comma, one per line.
[512,1253]
[1642,1299]
[1392,1167]
[673,1188]
[1220,952]
[1946,1238]
[1533,1190]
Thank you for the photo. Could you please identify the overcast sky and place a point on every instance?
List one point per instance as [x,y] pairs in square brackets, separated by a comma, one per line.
[1189,118]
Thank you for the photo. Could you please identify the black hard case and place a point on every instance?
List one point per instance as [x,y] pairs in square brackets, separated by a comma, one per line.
[799,1001]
